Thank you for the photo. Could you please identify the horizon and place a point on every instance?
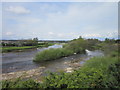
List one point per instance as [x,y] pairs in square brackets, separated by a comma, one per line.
[101,39]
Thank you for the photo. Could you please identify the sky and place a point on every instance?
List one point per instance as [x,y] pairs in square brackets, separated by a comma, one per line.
[59,20]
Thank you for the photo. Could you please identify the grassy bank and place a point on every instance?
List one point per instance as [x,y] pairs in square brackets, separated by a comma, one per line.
[98,72]
[10,49]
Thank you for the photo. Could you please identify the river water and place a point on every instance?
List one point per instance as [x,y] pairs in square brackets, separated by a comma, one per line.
[20,61]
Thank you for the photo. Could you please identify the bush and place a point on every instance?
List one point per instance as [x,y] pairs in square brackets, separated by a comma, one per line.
[96,73]
[77,45]
[20,84]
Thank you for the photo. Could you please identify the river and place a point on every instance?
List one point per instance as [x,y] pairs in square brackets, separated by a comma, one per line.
[18,61]
[23,61]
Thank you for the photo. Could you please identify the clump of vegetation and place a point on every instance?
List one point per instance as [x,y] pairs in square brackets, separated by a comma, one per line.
[18,83]
[52,54]
[74,46]
[77,45]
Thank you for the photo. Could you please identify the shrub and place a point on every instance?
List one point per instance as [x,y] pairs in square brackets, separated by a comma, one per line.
[102,72]
[77,46]
[20,84]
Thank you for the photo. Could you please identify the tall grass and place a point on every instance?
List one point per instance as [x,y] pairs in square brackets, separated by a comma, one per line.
[52,54]
[75,46]
[100,62]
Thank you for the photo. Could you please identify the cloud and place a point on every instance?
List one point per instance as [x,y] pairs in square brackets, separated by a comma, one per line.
[113,34]
[92,35]
[18,10]
[51,33]
[9,33]
[64,20]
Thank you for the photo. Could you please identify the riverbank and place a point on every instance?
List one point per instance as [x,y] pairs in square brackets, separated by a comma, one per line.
[39,72]
[98,72]
[22,48]
[24,74]
[65,64]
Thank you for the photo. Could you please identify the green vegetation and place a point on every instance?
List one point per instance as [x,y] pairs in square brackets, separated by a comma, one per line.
[75,46]
[9,49]
[45,44]
[52,54]
[15,45]
[18,83]
[98,72]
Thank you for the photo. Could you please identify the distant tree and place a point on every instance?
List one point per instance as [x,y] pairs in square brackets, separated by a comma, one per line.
[35,39]
[117,41]
[80,37]
[107,40]
[3,44]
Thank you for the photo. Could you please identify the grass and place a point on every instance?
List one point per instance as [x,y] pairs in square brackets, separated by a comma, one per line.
[9,49]
[52,54]
[77,46]
[45,44]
